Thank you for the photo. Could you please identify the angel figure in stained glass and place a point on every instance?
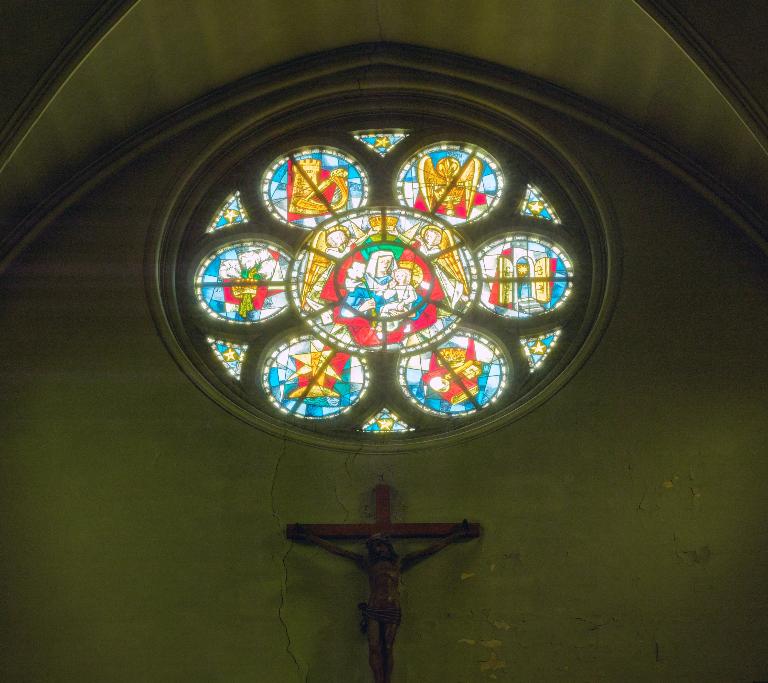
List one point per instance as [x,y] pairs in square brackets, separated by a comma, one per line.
[448,186]
[326,246]
[440,243]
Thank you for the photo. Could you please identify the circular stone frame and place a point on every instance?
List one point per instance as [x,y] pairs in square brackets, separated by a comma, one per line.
[482,113]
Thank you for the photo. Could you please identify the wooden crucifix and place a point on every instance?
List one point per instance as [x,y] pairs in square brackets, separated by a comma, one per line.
[381,614]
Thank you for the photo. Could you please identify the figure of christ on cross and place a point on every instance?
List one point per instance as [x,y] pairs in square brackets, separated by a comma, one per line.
[381,615]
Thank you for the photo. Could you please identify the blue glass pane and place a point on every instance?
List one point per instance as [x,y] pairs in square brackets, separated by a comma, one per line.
[244,282]
[231,212]
[535,205]
[309,379]
[231,355]
[524,276]
[381,142]
[536,349]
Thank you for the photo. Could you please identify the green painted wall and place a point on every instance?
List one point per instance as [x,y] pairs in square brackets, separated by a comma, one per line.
[142,526]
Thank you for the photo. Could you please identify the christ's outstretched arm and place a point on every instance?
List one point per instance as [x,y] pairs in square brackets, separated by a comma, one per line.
[461,531]
[301,534]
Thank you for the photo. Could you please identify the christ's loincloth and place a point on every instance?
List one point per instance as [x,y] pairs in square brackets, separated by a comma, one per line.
[384,615]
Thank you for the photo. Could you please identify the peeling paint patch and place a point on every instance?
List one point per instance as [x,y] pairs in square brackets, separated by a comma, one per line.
[493,664]
[468,641]
[668,484]
[493,567]
[467,575]
[490,644]
[503,625]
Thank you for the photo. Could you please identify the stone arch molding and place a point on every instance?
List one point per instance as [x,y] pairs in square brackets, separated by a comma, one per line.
[102,34]
[368,83]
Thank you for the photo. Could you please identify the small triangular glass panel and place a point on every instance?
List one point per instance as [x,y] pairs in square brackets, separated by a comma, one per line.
[231,212]
[231,355]
[380,141]
[386,421]
[537,348]
[534,204]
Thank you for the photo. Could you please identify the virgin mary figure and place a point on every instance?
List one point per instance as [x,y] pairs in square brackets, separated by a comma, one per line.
[378,272]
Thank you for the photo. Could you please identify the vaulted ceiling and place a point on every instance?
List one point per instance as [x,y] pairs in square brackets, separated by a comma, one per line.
[82,77]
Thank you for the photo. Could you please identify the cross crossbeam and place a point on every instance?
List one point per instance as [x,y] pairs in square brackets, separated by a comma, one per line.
[382,525]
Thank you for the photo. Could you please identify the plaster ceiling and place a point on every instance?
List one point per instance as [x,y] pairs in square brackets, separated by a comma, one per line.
[138,61]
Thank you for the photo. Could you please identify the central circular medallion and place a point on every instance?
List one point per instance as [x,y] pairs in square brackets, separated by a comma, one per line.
[383,279]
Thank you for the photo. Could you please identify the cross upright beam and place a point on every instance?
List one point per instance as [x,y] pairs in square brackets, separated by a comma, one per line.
[382,525]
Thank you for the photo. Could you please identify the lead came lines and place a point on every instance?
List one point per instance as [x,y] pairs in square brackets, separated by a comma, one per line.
[383,280]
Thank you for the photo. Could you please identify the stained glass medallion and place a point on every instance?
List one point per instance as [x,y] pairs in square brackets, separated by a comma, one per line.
[385,422]
[380,141]
[460,376]
[383,279]
[312,184]
[536,349]
[457,182]
[307,378]
[231,355]
[231,212]
[535,205]
[394,316]
[524,276]
[244,282]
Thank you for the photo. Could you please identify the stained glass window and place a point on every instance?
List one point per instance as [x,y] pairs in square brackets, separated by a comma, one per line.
[459,376]
[537,348]
[230,213]
[524,276]
[458,182]
[244,282]
[231,355]
[381,141]
[384,279]
[384,422]
[439,300]
[309,185]
[535,205]
[308,378]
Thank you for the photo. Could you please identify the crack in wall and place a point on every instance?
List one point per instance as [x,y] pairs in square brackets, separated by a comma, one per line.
[284,577]
[377,14]
[338,500]
[349,461]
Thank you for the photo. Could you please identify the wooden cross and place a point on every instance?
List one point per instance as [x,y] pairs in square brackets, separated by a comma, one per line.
[383,525]
[381,615]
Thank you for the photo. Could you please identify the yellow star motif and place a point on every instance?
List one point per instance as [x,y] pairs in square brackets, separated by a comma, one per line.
[539,348]
[386,424]
[535,207]
[382,142]
[230,355]
[310,364]
[231,215]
